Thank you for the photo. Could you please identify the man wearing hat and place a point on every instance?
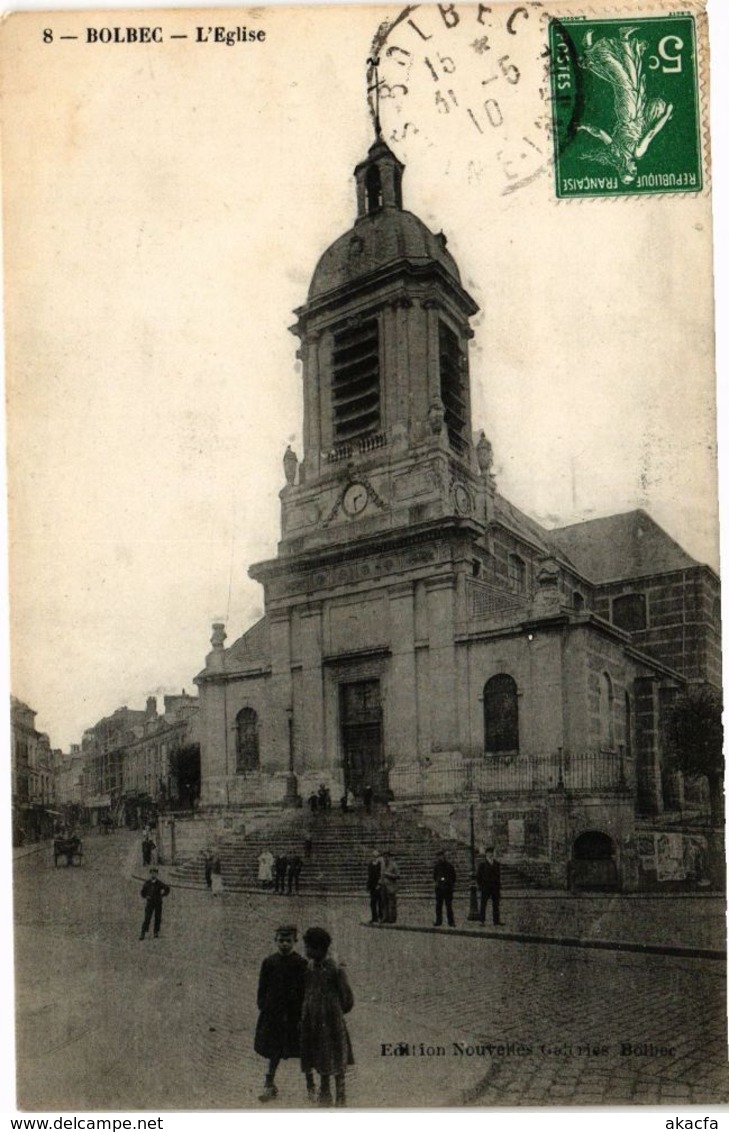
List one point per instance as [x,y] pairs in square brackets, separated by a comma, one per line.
[280,999]
[153,891]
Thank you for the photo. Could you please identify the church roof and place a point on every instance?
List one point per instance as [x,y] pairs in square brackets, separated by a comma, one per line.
[378,240]
[515,520]
[630,545]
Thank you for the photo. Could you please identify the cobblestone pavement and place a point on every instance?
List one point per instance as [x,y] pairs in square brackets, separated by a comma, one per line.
[108,1022]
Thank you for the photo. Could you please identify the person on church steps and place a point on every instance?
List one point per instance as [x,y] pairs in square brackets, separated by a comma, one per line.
[153,892]
[265,868]
[444,875]
[325,1044]
[217,885]
[388,886]
[280,870]
[281,985]
[374,881]
[488,879]
[295,866]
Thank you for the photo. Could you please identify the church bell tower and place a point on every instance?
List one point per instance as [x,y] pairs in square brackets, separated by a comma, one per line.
[384,344]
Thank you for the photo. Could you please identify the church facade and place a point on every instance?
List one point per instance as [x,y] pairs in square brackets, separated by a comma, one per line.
[424,637]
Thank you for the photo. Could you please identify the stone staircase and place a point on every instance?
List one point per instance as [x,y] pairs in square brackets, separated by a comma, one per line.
[342,845]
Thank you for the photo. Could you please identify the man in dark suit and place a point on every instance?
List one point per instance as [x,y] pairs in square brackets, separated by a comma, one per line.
[281,866]
[444,875]
[153,892]
[374,886]
[488,879]
[295,864]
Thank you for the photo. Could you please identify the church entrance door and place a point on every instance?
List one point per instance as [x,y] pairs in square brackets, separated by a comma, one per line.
[360,715]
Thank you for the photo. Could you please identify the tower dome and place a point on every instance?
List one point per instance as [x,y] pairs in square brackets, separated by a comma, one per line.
[383,235]
[375,243]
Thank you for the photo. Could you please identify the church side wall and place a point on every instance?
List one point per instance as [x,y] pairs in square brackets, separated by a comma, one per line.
[683,627]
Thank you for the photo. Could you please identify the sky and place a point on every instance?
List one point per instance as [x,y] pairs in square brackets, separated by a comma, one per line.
[160,230]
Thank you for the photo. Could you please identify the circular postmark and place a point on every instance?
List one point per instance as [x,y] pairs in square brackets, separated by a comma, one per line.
[470,89]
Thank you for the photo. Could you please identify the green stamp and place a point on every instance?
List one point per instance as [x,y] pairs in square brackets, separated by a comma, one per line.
[625,106]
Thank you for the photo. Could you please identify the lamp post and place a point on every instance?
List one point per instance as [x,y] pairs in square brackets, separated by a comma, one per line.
[473,891]
[292,783]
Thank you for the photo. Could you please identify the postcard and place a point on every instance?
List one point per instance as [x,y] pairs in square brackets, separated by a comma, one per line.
[365,611]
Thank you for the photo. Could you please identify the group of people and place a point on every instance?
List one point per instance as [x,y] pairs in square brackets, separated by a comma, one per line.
[488,882]
[383,875]
[280,873]
[320,800]
[302,1003]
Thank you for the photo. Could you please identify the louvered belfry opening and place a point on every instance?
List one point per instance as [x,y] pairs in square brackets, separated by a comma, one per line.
[356,381]
[452,387]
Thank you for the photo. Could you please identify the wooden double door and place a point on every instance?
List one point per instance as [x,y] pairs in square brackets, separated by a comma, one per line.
[360,721]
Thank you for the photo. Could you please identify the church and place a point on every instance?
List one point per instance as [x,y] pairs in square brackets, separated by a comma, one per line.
[422,636]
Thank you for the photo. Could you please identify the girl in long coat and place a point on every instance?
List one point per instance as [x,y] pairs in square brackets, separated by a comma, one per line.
[325,1044]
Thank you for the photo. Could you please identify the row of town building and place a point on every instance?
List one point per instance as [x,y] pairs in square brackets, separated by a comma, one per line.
[127,766]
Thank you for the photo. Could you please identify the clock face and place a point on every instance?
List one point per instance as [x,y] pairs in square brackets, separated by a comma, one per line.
[355,499]
[462,499]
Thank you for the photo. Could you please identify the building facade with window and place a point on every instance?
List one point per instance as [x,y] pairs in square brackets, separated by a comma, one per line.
[422,635]
[32,774]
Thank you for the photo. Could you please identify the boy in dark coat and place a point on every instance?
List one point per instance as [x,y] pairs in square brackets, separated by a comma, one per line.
[153,891]
[280,998]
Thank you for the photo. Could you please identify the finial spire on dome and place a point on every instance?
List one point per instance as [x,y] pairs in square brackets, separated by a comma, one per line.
[374,63]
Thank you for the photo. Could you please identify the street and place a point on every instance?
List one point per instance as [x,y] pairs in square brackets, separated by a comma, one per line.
[105,1021]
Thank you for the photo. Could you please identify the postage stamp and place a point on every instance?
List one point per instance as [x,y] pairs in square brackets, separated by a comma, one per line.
[625,106]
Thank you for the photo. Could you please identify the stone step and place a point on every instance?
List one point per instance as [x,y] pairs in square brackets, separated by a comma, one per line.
[342,846]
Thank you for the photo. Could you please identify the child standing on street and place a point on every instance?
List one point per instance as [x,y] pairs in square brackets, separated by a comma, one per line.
[325,1044]
[280,998]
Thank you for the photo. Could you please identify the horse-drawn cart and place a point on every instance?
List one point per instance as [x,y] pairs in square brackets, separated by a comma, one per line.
[71,848]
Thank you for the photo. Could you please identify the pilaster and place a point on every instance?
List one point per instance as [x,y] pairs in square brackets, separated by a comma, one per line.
[313,724]
[402,691]
[441,649]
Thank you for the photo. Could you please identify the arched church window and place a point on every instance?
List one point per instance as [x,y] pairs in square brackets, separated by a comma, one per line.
[607,727]
[373,188]
[578,601]
[517,573]
[246,740]
[501,714]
